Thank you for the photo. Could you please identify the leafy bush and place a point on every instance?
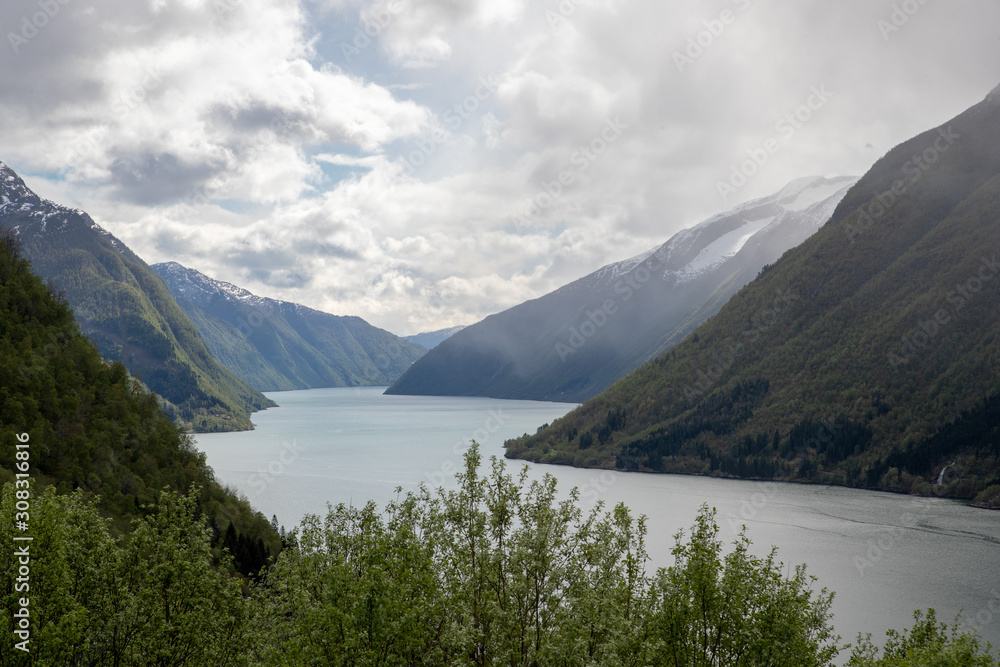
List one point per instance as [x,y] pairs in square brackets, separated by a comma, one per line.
[500,572]
[927,644]
[496,572]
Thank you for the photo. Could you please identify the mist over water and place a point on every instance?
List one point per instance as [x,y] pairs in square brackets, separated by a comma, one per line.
[884,554]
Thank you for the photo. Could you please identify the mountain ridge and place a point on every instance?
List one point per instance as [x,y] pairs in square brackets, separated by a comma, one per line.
[277,345]
[573,342]
[880,346]
[126,309]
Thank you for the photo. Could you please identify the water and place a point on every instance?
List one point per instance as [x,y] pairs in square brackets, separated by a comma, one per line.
[884,555]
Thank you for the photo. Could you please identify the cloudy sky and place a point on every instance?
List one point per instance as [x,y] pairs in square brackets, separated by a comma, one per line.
[424,163]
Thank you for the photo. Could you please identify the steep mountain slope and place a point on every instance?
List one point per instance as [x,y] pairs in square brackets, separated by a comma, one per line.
[573,343]
[431,339]
[276,345]
[869,355]
[84,424]
[126,309]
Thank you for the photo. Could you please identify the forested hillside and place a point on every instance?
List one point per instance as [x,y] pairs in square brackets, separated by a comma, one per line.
[868,356]
[104,565]
[95,429]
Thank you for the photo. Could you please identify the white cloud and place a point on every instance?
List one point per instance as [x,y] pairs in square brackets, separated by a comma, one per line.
[393,185]
[226,103]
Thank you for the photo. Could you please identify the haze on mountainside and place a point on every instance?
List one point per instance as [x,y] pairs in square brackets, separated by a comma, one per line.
[572,343]
[431,339]
[426,164]
[867,356]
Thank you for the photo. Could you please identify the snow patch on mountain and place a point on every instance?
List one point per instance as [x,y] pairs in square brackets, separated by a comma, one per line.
[614,271]
[16,195]
[724,247]
[201,290]
[808,202]
[819,213]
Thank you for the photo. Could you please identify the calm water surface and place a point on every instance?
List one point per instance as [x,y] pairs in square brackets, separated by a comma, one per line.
[884,555]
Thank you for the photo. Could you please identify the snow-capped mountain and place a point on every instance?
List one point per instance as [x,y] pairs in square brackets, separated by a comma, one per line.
[892,324]
[574,342]
[36,213]
[125,309]
[201,290]
[278,345]
[803,205]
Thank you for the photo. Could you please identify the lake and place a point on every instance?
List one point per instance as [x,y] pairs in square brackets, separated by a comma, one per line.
[884,554]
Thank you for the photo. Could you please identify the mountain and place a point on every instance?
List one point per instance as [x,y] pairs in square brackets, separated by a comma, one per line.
[126,309]
[571,344]
[867,356]
[75,422]
[276,345]
[431,339]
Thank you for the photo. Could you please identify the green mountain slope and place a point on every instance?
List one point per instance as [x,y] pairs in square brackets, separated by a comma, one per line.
[90,426]
[868,356]
[124,307]
[276,345]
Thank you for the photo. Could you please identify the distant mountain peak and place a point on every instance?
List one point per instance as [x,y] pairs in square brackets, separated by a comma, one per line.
[120,306]
[13,191]
[280,345]
[802,193]
[198,287]
[15,195]
[431,339]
